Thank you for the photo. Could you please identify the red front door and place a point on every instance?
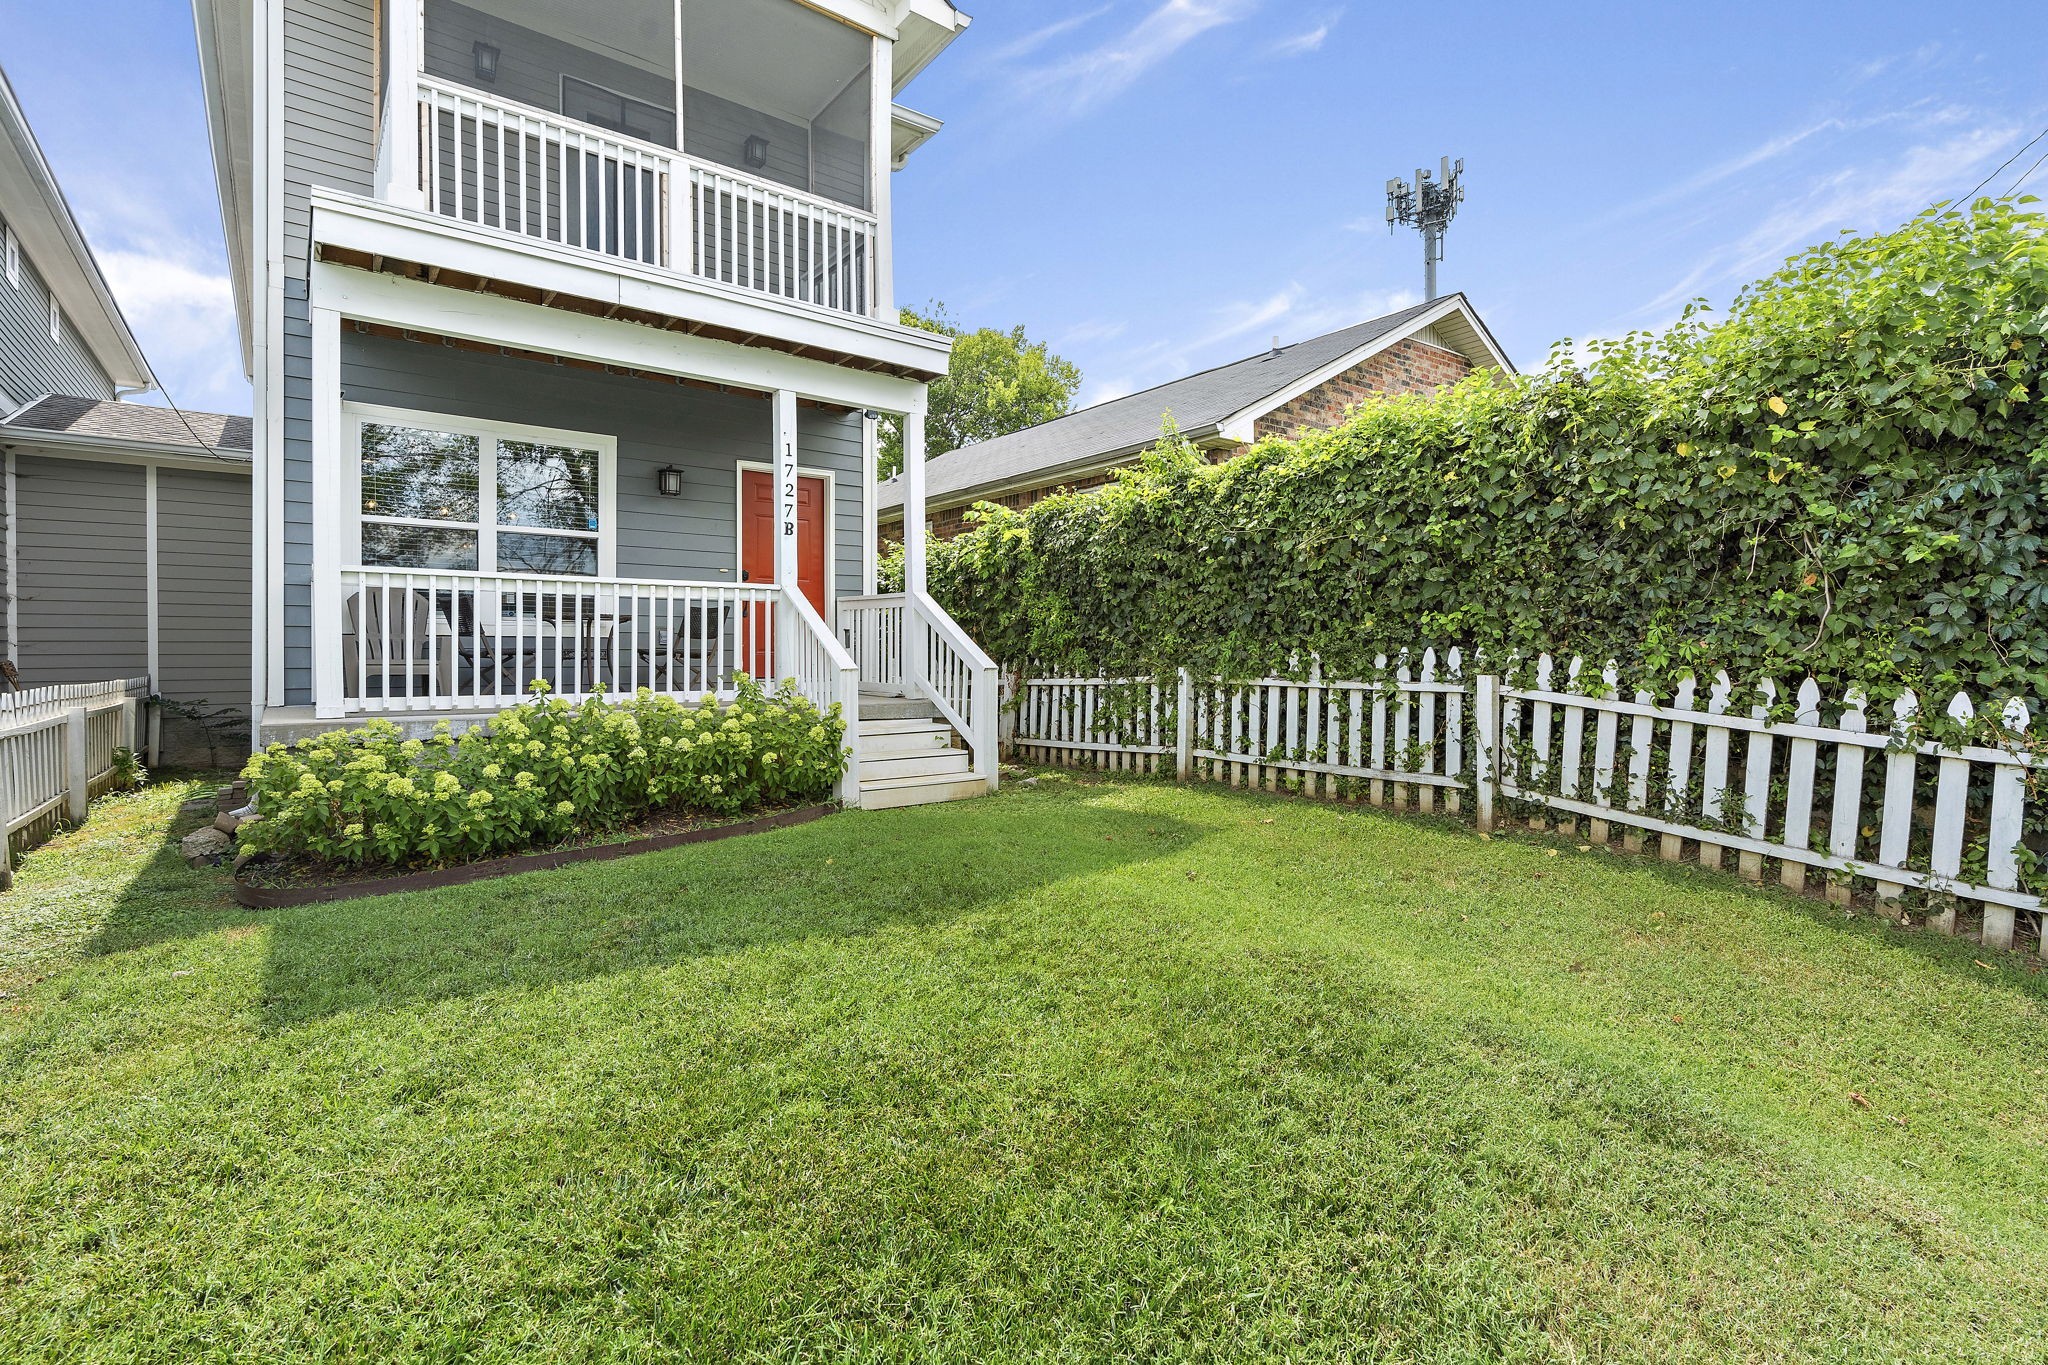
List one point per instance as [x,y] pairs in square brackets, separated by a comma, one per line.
[757,556]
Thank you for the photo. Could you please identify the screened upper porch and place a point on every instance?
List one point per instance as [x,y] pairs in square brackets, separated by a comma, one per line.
[742,142]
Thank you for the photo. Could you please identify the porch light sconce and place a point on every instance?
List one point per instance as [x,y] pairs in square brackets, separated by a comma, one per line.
[669,480]
[486,61]
[755,153]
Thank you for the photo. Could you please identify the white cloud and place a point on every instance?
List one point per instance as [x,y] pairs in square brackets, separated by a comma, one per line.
[1105,71]
[183,313]
[1307,41]
[1293,313]
[1086,333]
[1031,42]
[1868,195]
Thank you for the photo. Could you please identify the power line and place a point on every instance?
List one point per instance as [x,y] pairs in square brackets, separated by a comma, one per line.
[2002,165]
[2015,186]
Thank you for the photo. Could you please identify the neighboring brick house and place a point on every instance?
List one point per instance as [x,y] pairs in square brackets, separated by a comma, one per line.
[1311,384]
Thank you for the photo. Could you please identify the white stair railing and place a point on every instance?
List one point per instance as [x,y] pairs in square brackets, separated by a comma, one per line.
[906,643]
[958,677]
[825,674]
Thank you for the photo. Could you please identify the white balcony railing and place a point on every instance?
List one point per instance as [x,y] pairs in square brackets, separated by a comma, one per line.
[755,235]
[503,165]
[507,166]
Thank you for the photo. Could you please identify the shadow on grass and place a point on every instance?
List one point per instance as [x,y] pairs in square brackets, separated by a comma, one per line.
[133,858]
[851,875]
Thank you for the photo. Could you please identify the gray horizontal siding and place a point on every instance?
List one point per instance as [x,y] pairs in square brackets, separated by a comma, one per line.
[31,364]
[203,602]
[82,592]
[329,110]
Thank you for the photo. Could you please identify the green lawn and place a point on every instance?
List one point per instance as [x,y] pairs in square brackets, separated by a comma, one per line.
[1083,1071]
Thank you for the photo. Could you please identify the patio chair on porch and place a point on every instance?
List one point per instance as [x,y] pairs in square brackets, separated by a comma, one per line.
[396,633]
[698,649]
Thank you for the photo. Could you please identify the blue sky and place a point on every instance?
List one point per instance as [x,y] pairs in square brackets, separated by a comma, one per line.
[1159,185]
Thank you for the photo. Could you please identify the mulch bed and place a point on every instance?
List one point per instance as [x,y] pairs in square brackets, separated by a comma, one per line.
[266,885]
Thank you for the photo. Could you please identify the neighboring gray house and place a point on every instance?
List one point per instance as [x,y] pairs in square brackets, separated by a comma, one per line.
[570,326]
[1308,385]
[124,545]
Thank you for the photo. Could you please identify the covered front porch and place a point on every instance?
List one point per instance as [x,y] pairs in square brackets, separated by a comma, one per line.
[489,522]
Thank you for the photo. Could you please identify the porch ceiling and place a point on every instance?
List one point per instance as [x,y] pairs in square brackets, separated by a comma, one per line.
[451,278]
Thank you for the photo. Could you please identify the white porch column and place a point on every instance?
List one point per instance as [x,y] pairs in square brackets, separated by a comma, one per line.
[328,702]
[398,146]
[913,502]
[784,436]
[881,157]
[870,533]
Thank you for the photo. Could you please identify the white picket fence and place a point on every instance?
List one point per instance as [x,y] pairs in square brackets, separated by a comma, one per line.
[57,752]
[1790,787]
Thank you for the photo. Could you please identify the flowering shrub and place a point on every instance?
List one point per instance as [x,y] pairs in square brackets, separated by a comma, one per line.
[538,774]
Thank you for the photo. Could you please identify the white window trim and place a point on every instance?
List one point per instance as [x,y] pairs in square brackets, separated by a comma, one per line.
[13,259]
[487,434]
[56,320]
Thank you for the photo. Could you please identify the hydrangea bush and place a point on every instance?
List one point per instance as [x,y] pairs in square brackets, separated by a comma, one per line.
[538,774]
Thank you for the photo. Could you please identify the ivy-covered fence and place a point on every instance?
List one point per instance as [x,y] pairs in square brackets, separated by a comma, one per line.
[1845,478]
[1876,803]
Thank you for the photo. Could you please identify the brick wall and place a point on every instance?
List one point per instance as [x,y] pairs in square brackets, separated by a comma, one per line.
[1408,366]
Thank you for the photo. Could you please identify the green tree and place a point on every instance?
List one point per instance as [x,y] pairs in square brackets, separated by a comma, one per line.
[998,382]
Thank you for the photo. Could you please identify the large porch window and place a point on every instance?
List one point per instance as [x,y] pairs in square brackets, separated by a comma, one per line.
[435,492]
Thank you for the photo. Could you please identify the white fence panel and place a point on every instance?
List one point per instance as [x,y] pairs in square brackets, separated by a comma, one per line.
[57,751]
[1791,787]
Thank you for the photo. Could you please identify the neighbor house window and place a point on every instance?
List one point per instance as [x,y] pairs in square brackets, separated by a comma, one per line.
[450,494]
[13,259]
[56,321]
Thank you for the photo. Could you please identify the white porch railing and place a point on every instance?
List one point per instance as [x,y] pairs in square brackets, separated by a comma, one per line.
[780,241]
[504,165]
[518,169]
[441,640]
[872,629]
[906,642]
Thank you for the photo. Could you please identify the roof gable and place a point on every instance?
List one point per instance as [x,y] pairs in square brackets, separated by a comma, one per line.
[35,208]
[1200,405]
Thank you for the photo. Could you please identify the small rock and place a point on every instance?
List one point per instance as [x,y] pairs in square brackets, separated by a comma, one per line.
[205,847]
[227,822]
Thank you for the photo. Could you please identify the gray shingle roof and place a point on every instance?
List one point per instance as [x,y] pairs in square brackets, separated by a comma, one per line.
[1125,425]
[228,437]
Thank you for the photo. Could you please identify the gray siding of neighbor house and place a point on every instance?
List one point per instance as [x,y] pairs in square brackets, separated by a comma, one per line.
[82,588]
[31,364]
[202,591]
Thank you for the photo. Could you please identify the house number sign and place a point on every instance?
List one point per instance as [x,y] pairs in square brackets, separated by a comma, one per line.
[788,491]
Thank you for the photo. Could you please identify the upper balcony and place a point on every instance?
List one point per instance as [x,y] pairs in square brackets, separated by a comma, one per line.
[743,145]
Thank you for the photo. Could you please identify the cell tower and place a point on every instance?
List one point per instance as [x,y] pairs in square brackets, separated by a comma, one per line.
[1429,205]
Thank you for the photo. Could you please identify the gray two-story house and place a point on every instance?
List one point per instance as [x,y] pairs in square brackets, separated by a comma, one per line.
[124,530]
[570,326]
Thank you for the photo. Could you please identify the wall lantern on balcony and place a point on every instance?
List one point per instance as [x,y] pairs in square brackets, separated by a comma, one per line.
[669,480]
[486,61]
[755,153]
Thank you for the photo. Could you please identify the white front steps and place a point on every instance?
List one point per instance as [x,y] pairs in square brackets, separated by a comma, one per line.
[909,757]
